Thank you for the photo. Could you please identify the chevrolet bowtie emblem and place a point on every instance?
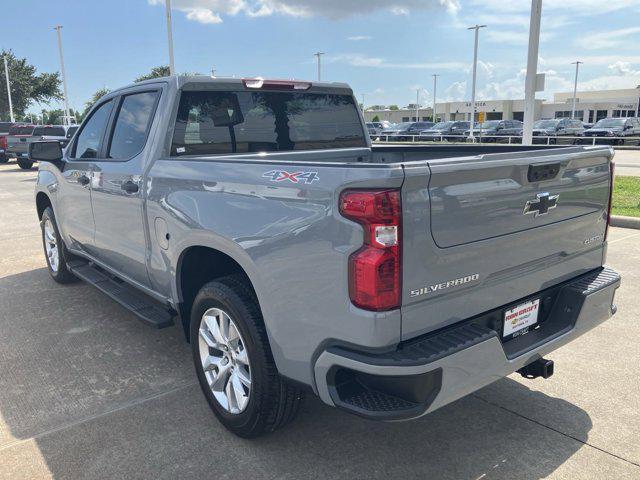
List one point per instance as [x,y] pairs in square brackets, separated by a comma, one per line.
[541,205]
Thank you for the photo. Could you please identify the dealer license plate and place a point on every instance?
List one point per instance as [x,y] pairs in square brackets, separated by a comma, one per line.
[519,320]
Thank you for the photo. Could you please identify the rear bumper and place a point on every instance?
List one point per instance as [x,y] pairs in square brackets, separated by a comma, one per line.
[428,372]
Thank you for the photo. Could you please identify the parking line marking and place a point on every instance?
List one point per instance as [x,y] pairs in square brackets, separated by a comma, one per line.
[624,238]
[556,430]
[66,426]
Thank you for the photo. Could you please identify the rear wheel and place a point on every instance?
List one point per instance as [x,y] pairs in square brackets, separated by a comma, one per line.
[54,249]
[233,361]
[4,158]
[25,165]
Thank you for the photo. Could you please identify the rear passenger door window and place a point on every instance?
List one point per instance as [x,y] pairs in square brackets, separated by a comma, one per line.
[90,137]
[132,125]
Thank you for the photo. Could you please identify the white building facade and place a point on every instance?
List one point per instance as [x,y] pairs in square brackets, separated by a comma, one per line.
[591,106]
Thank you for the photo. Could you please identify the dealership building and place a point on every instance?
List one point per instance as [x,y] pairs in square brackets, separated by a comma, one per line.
[591,106]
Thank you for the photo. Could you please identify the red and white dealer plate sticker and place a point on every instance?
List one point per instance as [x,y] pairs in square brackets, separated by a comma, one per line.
[520,318]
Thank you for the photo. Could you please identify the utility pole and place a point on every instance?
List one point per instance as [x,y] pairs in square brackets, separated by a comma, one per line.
[532,73]
[6,75]
[575,89]
[67,119]
[172,68]
[433,111]
[319,55]
[473,82]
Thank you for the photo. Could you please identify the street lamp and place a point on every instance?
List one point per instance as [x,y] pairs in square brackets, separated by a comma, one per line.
[531,80]
[575,89]
[433,111]
[172,68]
[319,54]
[473,82]
[417,104]
[67,119]
[6,75]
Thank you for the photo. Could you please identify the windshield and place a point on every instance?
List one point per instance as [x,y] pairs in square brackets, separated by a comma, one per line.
[21,130]
[546,124]
[400,126]
[442,125]
[610,122]
[489,124]
[51,131]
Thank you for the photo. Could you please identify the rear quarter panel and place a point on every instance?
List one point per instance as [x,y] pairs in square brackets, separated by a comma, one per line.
[287,236]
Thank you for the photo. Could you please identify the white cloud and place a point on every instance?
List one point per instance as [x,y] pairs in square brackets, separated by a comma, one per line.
[212,11]
[360,60]
[610,39]
[455,92]
[623,68]
[359,38]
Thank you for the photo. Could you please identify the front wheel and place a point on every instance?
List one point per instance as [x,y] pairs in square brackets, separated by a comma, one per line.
[54,249]
[233,361]
[24,165]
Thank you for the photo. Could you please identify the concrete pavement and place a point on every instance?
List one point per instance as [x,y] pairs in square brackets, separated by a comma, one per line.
[627,162]
[87,391]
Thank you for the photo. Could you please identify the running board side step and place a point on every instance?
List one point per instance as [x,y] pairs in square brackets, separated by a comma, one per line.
[144,307]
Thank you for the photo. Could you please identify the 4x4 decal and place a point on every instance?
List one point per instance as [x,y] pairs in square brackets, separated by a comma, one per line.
[294,177]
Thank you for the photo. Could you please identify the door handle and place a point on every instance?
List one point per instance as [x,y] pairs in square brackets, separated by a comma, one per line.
[83,180]
[130,187]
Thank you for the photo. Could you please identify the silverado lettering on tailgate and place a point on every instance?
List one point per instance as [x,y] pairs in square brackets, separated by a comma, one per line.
[444,285]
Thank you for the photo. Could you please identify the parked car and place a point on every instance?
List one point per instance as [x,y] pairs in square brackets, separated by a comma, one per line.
[586,125]
[406,130]
[374,129]
[20,135]
[4,135]
[450,131]
[295,256]
[39,132]
[490,130]
[552,130]
[70,132]
[615,130]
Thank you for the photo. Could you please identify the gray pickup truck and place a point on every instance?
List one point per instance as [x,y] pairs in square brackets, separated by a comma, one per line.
[296,256]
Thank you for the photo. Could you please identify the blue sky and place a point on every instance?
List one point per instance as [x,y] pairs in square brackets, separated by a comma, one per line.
[383,48]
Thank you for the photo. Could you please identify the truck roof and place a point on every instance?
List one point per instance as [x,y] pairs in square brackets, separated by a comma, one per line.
[182,80]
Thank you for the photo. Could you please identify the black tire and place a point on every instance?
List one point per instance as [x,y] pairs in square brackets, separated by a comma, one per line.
[4,158]
[25,165]
[273,401]
[62,273]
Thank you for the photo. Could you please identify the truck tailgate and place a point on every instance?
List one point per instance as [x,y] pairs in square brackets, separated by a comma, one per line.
[482,232]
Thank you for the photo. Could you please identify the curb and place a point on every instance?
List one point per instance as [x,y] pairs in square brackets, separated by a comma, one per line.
[625,222]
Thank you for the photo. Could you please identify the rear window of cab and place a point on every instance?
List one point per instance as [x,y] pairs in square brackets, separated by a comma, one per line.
[223,122]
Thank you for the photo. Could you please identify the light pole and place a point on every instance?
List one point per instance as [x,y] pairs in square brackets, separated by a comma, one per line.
[172,68]
[433,111]
[473,81]
[6,75]
[363,102]
[417,104]
[319,55]
[575,89]
[67,119]
[532,73]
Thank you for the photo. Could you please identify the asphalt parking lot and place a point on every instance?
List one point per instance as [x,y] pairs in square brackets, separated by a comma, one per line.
[88,391]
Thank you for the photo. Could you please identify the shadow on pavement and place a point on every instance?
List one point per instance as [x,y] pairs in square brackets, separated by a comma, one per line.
[101,395]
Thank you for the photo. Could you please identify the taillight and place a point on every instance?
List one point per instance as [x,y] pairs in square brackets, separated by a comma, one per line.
[612,171]
[375,269]
[3,142]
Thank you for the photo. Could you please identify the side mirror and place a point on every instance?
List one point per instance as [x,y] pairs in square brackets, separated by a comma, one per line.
[46,152]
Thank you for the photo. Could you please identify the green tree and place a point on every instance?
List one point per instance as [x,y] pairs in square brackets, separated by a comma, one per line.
[156,72]
[376,118]
[393,107]
[27,86]
[53,117]
[101,92]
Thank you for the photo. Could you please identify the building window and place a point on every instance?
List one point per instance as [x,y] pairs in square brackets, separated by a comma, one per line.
[518,116]
[567,114]
[623,113]
[405,119]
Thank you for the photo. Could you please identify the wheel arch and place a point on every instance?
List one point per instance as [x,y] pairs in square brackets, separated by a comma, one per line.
[42,202]
[199,264]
